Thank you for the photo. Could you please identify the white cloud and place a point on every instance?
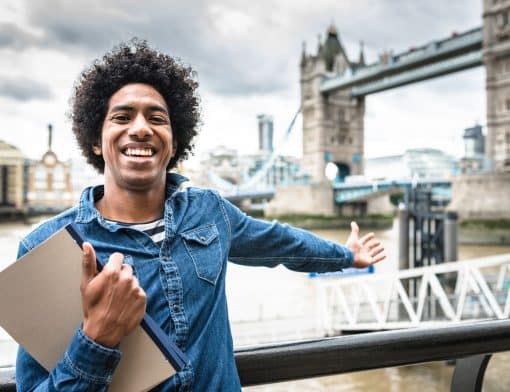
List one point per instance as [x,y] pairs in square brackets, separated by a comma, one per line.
[428,114]
[231,24]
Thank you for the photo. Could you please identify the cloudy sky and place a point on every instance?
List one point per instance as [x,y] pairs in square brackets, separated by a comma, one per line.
[246,54]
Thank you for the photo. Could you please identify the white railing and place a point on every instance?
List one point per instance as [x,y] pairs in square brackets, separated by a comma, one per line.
[444,293]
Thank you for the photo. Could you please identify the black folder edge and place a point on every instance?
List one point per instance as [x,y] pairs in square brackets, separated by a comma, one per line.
[172,353]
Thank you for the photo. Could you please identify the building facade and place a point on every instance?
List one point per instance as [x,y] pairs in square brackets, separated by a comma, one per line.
[265,123]
[12,177]
[49,186]
[227,170]
[418,163]
[474,160]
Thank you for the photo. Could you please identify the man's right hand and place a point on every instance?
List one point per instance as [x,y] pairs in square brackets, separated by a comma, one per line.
[113,301]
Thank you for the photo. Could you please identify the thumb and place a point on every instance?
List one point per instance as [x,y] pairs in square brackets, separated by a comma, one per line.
[89,268]
[354,229]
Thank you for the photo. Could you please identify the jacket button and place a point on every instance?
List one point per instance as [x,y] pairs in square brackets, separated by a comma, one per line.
[176,307]
[202,238]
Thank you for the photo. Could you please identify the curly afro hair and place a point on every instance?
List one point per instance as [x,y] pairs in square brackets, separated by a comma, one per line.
[135,62]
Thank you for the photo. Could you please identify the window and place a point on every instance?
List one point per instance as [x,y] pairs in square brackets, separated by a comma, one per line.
[341,115]
[40,177]
[58,177]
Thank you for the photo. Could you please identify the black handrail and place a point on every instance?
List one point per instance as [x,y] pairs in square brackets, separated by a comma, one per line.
[344,354]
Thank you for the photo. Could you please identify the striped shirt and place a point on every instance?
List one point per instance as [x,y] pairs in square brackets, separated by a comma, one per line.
[154,229]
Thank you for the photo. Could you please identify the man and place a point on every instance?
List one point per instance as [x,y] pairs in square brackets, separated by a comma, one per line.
[135,113]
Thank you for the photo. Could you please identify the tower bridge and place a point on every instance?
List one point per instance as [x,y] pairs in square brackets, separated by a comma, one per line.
[332,107]
[333,91]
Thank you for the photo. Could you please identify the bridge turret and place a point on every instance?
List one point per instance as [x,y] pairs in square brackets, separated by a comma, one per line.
[333,52]
[320,47]
[361,61]
[303,54]
[332,122]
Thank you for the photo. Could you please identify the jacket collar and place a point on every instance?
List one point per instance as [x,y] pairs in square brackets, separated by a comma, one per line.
[88,212]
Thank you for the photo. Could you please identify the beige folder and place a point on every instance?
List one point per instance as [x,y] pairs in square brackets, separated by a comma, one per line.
[40,307]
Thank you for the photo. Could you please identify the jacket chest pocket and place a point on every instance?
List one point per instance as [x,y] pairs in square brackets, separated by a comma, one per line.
[203,246]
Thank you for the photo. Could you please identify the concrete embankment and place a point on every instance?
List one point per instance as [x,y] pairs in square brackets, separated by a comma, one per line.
[485,232]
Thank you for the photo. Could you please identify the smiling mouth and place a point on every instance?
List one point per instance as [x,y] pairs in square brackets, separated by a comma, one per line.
[138,152]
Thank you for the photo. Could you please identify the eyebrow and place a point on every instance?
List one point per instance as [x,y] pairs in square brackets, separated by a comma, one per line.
[129,108]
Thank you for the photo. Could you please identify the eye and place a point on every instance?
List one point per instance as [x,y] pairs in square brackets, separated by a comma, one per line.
[158,119]
[120,118]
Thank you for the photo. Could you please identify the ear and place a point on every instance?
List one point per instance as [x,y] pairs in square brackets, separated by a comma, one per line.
[96,149]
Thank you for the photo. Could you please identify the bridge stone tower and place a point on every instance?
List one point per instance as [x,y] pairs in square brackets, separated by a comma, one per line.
[332,123]
[496,57]
[495,203]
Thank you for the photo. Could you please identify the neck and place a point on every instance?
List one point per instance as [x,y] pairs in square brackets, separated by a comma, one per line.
[130,206]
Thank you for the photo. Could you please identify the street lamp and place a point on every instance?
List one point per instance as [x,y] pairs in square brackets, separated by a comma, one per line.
[331,171]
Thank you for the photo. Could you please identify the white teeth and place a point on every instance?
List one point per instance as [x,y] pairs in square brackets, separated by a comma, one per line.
[139,152]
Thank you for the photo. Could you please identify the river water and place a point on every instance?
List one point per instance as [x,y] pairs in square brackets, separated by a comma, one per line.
[268,305]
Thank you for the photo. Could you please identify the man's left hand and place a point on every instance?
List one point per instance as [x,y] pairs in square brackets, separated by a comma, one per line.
[367,250]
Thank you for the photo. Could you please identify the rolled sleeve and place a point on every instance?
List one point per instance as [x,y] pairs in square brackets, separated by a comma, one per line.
[89,360]
[348,256]
[259,243]
[85,366]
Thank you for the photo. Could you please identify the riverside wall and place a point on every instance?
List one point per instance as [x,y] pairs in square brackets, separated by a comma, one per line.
[481,196]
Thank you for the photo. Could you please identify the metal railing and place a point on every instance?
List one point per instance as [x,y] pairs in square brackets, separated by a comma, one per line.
[470,344]
[382,302]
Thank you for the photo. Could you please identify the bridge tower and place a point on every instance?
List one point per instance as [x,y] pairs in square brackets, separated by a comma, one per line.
[332,122]
[496,57]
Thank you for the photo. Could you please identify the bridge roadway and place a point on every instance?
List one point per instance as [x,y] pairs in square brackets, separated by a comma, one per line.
[437,58]
[454,292]
[355,191]
[348,192]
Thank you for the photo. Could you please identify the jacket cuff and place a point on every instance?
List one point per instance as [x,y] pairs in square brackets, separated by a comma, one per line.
[90,360]
[349,257]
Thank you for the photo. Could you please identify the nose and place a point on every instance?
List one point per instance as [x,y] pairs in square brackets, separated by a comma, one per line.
[140,128]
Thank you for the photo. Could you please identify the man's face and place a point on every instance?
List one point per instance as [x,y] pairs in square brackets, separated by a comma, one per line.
[136,139]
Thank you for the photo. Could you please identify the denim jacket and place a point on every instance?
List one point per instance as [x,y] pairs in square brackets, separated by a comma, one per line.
[184,280]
